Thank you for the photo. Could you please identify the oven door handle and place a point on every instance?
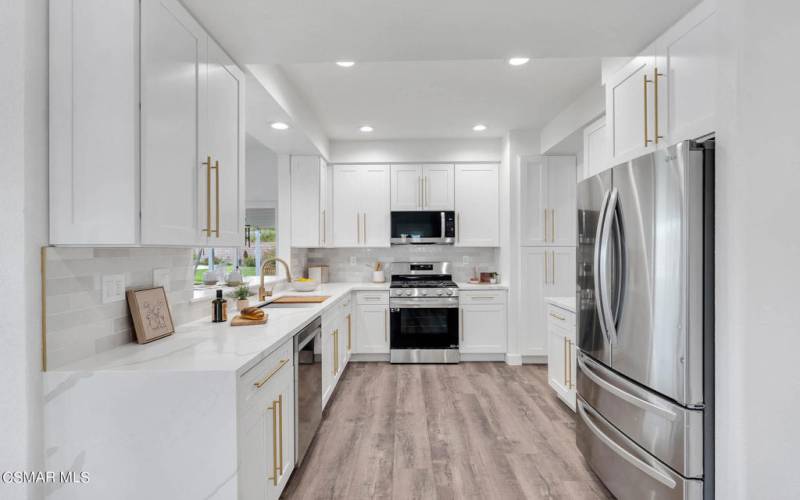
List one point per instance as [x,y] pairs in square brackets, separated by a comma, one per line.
[416,305]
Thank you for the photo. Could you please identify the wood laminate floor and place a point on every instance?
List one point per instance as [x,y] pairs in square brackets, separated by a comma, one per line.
[473,430]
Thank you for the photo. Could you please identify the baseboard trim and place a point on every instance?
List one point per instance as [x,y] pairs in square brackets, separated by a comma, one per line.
[534,360]
[514,359]
[469,357]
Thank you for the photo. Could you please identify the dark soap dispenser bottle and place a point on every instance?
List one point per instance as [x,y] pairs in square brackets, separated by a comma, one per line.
[219,309]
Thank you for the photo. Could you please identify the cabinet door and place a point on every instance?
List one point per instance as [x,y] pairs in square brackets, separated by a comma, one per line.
[173,55]
[556,360]
[535,276]
[346,227]
[483,329]
[342,338]
[560,272]
[438,187]
[595,148]
[686,60]
[350,334]
[255,451]
[534,201]
[375,210]
[325,203]
[561,201]
[406,187]
[477,206]
[306,197]
[373,329]
[328,363]
[285,445]
[629,108]
[224,142]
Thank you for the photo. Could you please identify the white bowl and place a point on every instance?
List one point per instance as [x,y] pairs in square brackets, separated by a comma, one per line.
[304,286]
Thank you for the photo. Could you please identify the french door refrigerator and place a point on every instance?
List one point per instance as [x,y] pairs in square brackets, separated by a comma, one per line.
[645,324]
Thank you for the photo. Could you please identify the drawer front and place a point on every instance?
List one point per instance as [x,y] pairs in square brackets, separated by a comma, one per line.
[482,298]
[561,317]
[276,365]
[372,298]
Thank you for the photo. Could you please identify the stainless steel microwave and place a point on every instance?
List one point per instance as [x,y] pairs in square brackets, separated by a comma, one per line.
[423,228]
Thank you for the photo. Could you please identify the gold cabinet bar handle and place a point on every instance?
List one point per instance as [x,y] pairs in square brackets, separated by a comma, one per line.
[656,74]
[427,192]
[280,433]
[333,353]
[553,262]
[553,225]
[546,281]
[216,173]
[461,323]
[349,332]
[386,326]
[364,223]
[324,228]
[545,224]
[419,191]
[645,82]
[556,316]
[264,380]
[337,350]
[458,227]
[566,377]
[208,195]
[274,477]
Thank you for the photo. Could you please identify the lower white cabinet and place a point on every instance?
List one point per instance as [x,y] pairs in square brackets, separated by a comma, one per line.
[337,341]
[372,322]
[562,353]
[482,322]
[266,426]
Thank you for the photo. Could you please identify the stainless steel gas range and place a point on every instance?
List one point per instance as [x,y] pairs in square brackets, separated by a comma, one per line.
[423,310]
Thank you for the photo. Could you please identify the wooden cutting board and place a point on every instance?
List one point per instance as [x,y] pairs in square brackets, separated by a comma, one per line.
[304,299]
[240,321]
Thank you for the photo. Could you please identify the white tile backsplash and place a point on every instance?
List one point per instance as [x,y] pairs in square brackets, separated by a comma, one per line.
[340,268]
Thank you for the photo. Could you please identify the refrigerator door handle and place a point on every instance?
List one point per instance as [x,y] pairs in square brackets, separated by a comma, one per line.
[624,395]
[605,305]
[622,452]
[597,264]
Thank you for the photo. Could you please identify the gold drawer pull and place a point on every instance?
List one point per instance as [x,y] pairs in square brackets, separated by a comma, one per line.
[274,410]
[264,380]
[556,316]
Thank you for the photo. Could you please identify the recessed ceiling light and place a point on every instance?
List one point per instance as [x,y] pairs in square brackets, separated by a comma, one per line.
[279,125]
[518,61]
[345,64]
[366,128]
[479,127]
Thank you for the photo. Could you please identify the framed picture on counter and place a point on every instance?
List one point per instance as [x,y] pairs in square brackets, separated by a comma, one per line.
[152,319]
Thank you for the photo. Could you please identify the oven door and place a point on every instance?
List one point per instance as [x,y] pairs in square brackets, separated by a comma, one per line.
[423,228]
[418,324]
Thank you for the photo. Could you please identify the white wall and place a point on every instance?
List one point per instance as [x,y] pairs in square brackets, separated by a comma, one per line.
[582,111]
[261,175]
[758,248]
[23,203]
[421,150]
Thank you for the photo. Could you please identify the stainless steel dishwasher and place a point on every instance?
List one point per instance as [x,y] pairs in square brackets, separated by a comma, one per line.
[308,385]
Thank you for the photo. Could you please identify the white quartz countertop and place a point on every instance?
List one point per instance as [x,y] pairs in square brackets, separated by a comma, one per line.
[205,346]
[567,303]
[480,286]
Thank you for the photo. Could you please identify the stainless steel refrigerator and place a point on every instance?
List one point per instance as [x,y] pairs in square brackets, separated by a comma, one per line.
[645,324]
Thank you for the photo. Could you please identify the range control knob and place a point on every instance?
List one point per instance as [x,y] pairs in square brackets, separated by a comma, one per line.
[449,292]
[440,292]
[424,292]
[408,293]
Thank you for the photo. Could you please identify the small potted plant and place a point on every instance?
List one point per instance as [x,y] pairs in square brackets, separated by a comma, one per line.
[242,293]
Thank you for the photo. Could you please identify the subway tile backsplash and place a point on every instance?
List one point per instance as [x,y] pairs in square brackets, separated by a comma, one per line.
[463,260]
[79,325]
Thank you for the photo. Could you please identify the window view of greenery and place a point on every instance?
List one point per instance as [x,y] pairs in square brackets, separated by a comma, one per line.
[258,246]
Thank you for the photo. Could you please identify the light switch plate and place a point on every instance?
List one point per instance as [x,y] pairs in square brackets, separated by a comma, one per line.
[161,278]
[113,288]
[353,260]
[465,259]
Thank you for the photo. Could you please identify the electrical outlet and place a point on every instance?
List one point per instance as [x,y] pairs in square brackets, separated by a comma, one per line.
[353,260]
[113,288]
[161,278]
[465,259]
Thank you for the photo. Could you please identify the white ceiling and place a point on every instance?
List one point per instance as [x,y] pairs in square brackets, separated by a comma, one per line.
[434,68]
[440,98]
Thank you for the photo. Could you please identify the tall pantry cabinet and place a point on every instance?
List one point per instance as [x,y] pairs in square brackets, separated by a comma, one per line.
[147,128]
[547,238]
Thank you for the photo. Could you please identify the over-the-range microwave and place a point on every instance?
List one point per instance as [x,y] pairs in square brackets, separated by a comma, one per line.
[423,228]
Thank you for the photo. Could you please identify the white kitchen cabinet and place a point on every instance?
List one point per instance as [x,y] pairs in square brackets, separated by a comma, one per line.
[309,212]
[477,205]
[549,200]
[140,98]
[595,148]
[361,207]
[546,272]
[686,55]
[266,426]
[562,354]
[422,187]
[482,322]
[372,323]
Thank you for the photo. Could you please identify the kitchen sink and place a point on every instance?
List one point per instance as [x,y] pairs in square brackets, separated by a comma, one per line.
[279,305]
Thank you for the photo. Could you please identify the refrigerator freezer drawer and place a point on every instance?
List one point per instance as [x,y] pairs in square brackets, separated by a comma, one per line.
[628,471]
[670,432]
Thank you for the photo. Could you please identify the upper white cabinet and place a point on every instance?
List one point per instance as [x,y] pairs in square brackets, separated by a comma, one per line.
[595,148]
[361,209]
[477,205]
[140,99]
[549,184]
[422,187]
[309,213]
[666,94]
